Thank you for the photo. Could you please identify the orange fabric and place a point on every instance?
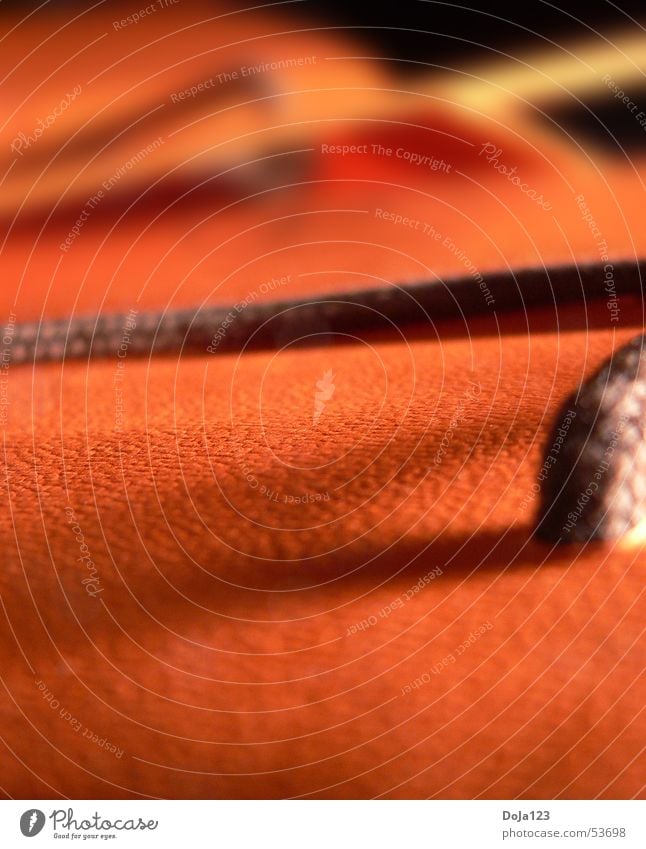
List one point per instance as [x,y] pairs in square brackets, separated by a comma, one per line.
[236,639]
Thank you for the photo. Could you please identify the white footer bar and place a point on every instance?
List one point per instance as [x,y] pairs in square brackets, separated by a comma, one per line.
[324,824]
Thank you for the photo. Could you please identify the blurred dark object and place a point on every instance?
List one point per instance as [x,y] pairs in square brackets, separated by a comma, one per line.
[437,33]
[604,121]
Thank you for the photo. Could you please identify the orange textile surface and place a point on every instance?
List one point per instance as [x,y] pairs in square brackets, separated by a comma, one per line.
[304,572]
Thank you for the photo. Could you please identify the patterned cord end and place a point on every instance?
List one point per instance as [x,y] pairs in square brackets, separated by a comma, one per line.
[593,477]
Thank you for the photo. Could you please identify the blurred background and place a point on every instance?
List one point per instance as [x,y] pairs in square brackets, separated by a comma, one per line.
[201,104]
[175,154]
